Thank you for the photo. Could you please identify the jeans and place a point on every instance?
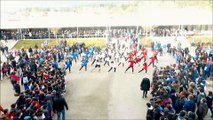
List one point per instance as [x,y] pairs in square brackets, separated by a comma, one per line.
[59,115]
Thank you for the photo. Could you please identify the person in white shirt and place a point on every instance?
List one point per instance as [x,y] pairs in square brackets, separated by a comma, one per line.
[107,61]
[96,58]
[117,57]
[113,66]
[25,82]
[97,65]
[122,61]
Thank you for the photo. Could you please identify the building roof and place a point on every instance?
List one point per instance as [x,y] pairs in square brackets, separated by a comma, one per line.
[152,17]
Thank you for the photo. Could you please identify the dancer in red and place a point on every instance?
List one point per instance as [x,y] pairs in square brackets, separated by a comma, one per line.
[137,60]
[132,62]
[153,58]
[129,56]
[145,66]
[144,54]
[135,53]
[155,55]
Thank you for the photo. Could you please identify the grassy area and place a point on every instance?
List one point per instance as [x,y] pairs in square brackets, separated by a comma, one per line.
[98,42]
[146,41]
[201,39]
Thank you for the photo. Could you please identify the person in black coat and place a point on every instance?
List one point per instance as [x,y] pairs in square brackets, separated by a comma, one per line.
[209,99]
[58,106]
[145,85]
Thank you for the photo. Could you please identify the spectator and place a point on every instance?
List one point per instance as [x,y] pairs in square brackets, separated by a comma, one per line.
[149,114]
[6,115]
[1,109]
[17,88]
[156,112]
[209,100]
[58,106]
[190,104]
[181,116]
[202,109]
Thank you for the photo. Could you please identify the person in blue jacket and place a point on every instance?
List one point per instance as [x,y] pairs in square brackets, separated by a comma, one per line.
[91,53]
[189,105]
[75,56]
[68,64]
[84,64]
[206,72]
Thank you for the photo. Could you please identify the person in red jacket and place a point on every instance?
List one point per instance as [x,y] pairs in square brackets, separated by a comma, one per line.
[135,53]
[153,58]
[144,54]
[155,55]
[1,109]
[129,56]
[131,65]
[145,66]
[137,60]
[15,77]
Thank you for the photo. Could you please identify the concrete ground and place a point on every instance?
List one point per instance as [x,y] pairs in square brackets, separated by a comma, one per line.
[101,95]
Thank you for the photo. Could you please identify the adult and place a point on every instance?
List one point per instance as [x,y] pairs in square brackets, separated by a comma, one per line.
[209,100]
[202,109]
[59,104]
[190,104]
[145,85]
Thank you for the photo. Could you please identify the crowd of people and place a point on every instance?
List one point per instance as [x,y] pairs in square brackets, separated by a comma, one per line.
[163,31]
[42,74]
[43,81]
[45,33]
[179,90]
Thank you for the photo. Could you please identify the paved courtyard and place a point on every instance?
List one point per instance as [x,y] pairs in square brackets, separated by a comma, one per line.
[100,95]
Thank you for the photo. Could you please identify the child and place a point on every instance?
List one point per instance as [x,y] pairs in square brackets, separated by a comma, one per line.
[97,65]
[145,66]
[113,66]
[149,114]
[132,62]
[153,58]
[84,64]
